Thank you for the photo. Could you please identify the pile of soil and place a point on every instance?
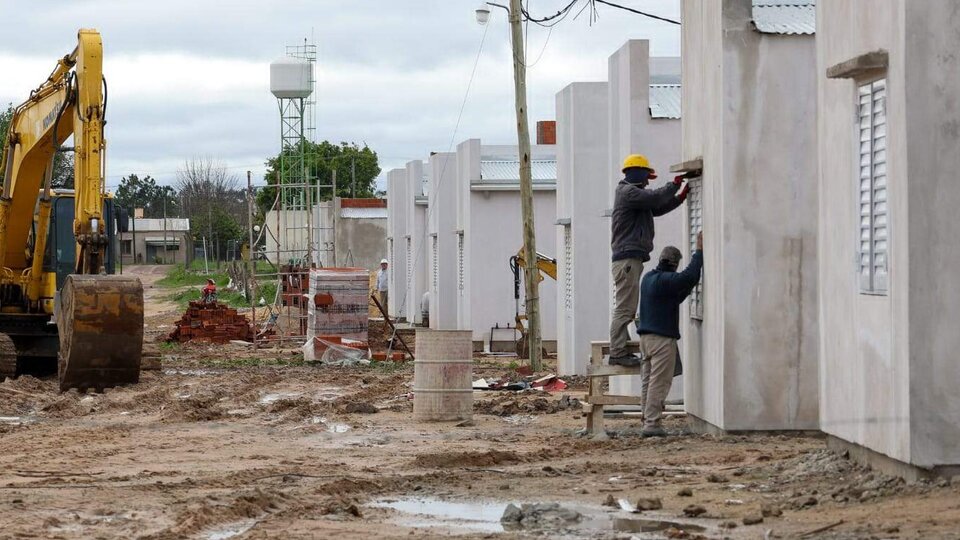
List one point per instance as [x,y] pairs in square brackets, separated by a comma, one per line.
[509,404]
[466,459]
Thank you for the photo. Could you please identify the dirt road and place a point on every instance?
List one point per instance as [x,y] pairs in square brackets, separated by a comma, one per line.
[225,443]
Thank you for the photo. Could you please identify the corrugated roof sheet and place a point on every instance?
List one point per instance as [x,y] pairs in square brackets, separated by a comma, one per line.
[665,101]
[785,16]
[363,213]
[508,172]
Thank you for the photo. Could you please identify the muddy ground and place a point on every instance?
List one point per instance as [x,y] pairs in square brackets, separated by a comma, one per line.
[225,442]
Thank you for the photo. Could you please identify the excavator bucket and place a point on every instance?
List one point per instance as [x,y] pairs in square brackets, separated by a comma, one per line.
[100,321]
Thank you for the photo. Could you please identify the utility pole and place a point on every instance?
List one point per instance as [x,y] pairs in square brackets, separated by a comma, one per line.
[530,274]
[251,264]
[164,228]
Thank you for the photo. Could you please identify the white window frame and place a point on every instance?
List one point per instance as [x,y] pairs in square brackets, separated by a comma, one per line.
[871,179]
[460,263]
[695,226]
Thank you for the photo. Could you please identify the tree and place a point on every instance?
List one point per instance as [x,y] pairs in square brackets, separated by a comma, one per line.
[320,160]
[136,192]
[211,197]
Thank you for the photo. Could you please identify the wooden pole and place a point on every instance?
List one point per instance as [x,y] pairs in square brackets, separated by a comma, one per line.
[532,285]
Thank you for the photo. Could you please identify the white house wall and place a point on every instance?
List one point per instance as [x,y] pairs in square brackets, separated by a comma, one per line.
[583,315]
[443,224]
[417,258]
[749,103]
[888,370]
[633,131]
[396,237]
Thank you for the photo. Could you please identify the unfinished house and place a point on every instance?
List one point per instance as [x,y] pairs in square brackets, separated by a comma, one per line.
[583,232]
[643,100]
[361,232]
[415,241]
[488,233]
[442,240]
[749,121]
[888,80]
[397,189]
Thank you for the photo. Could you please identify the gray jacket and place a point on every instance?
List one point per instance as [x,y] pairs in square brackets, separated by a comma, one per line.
[631,226]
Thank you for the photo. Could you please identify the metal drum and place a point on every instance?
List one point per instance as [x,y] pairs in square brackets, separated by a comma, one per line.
[443,376]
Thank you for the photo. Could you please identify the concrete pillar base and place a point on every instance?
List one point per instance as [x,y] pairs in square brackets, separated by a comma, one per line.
[703,427]
[888,465]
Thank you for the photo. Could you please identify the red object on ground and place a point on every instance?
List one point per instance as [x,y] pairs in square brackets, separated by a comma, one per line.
[212,321]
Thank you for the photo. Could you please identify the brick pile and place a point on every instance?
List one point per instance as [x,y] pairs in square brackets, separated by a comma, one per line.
[338,307]
[215,322]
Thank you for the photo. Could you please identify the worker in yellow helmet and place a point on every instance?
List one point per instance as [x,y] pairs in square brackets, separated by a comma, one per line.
[631,240]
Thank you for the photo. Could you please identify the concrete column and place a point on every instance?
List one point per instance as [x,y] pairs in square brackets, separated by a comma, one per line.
[583,234]
[396,237]
[442,228]
[415,239]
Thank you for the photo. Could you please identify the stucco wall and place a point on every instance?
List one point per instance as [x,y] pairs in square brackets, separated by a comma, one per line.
[633,131]
[582,198]
[888,369]
[396,236]
[933,137]
[752,365]
[443,218]
[417,259]
[361,242]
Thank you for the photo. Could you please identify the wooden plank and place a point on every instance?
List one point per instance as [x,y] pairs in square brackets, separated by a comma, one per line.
[607,371]
[613,400]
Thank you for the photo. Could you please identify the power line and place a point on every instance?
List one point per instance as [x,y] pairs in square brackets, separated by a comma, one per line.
[637,11]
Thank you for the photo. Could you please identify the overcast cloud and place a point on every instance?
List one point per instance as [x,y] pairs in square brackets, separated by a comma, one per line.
[191,78]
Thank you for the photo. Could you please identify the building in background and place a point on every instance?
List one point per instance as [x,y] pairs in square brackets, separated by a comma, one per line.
[361,232]
[397,188]
[442,240]
[149,241]
[415,241]
[489,232]
[582,230]
[749,121]
[888,80]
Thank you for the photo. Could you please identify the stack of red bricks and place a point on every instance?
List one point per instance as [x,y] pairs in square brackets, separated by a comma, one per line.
[215,322]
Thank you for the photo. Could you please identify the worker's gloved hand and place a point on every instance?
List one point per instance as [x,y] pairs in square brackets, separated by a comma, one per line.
[682,194]
[677,180]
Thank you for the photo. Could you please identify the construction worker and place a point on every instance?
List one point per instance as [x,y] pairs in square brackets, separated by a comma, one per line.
[209,292]
[661,293]
[631,241]
[383,284]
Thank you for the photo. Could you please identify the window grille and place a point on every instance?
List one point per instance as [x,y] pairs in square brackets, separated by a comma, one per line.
[695,225]
[568,269]
[460,269]
[435,272]
[872,178]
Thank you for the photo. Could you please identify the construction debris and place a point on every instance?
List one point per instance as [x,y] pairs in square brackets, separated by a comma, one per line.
[212,321]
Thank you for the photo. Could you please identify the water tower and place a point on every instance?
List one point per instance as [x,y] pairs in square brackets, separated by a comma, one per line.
[291,82]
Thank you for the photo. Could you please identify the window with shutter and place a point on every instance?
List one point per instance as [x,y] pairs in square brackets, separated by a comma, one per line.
[568,270]
[435,263]
[460,284]
[872,179]
[695,225]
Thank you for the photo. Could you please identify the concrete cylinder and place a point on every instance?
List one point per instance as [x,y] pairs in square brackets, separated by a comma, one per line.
[443,376]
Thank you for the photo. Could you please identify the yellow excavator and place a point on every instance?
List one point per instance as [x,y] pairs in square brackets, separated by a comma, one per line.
[58,304]
[545,266]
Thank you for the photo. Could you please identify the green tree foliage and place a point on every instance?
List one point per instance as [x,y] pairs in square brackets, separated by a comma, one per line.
[321,159]
[136,192]
[5,117]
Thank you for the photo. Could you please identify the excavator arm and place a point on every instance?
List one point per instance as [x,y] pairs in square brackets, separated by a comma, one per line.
[100,318]
[546,266]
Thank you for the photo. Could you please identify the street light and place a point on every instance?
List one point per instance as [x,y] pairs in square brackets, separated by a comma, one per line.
[483,12]
[530,273]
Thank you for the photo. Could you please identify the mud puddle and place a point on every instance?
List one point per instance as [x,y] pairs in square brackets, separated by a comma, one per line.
[484,516]
[232,530]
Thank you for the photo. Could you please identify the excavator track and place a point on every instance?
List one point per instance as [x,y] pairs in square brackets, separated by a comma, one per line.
[100,321]
[8,357]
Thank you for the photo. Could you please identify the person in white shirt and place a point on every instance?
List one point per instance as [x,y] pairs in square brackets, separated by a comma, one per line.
[383,287]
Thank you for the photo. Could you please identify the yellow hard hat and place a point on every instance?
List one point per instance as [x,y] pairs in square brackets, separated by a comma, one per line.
[638,160]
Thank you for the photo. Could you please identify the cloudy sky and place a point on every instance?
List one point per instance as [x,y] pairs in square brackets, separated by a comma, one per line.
[191,78]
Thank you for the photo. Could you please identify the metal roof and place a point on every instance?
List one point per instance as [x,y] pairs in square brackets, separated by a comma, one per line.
[508,171]
[665,101]
[785,16]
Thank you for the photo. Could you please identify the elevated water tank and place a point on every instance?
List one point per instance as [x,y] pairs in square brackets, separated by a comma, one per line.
[290,77]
